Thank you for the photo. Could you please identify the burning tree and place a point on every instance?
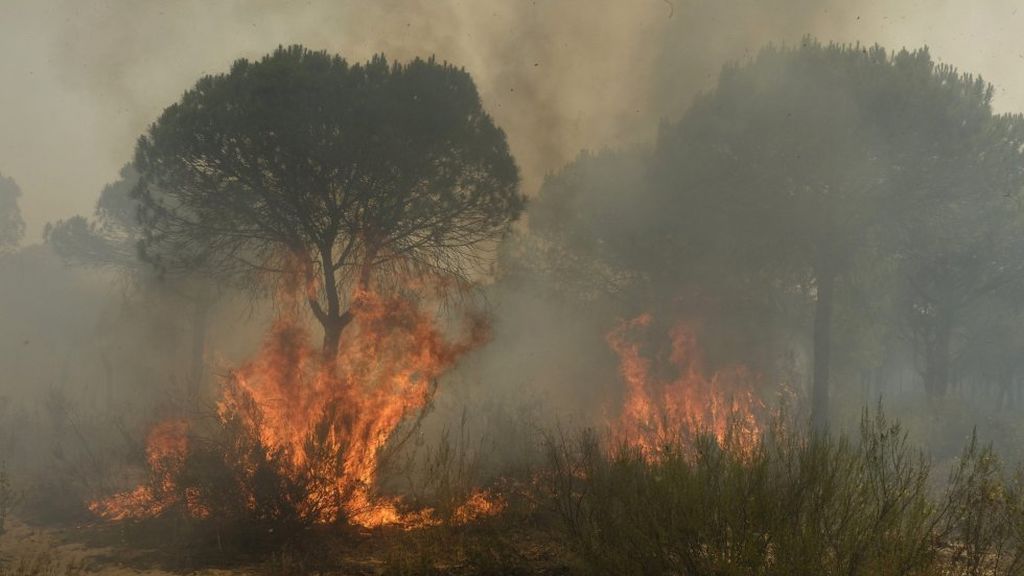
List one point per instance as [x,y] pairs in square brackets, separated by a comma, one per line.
[358,175]
[354,187]
[297,440]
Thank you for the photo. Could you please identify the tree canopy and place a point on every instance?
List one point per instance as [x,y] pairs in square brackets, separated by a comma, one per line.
[816,184]
[821,154]
[356,175]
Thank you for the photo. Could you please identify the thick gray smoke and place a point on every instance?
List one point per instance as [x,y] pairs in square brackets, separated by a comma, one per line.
[82,80]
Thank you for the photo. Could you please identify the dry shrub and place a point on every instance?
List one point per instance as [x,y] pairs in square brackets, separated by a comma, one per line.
[236,489]
[42,563]
[798,504]
[984,528]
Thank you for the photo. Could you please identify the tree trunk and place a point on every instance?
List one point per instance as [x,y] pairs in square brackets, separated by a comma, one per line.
[333,319]
[825,279]
[333,327]
[332,338]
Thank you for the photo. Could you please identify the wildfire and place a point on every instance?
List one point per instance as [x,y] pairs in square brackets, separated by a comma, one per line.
[315,426]
[480,504]
[166,448]
[331,422]
[671,396]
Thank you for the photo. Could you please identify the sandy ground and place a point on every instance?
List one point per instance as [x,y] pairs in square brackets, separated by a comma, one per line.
[29,550]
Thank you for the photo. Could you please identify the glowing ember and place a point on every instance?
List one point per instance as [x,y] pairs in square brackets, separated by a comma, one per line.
[670,398]
[319,425]
[480,504]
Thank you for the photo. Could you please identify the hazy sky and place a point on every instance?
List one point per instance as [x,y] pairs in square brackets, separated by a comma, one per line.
[81,79]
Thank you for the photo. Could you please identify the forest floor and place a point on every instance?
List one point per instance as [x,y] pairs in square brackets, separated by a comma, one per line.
[137,550]
[30,550]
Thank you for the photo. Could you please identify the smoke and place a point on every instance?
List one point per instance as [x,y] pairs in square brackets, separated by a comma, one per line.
[83,79]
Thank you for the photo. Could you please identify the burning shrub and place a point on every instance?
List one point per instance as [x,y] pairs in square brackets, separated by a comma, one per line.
[670,393]
[297,439]
[447,476]
[166,450]
[234,481]
[794,505]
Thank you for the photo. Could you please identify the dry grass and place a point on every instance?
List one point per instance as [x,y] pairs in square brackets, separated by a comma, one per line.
[42,564]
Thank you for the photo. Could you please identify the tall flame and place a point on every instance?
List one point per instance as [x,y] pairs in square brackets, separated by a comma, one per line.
[669,397]
[320,423]
[331,421]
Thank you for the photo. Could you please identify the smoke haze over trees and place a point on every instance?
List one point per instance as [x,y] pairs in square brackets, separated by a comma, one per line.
[556,76]
[603,230]
[644,200]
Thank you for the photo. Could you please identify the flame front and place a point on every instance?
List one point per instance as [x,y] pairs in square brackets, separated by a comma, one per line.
[319,424]
[670,397]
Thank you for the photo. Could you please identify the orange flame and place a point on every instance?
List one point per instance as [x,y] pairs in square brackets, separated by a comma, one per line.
[321,424]
[166,448]
[384,371]
[480,504]
[670,398]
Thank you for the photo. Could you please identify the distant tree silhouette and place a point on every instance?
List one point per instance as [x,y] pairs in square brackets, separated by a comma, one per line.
[960,236]
[589,218]
[808,161]
[111,238]
[12,227]
[110,241]
[776,172]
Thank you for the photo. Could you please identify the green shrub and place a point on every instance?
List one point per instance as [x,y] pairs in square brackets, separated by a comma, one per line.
[795,504]
[984,530]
